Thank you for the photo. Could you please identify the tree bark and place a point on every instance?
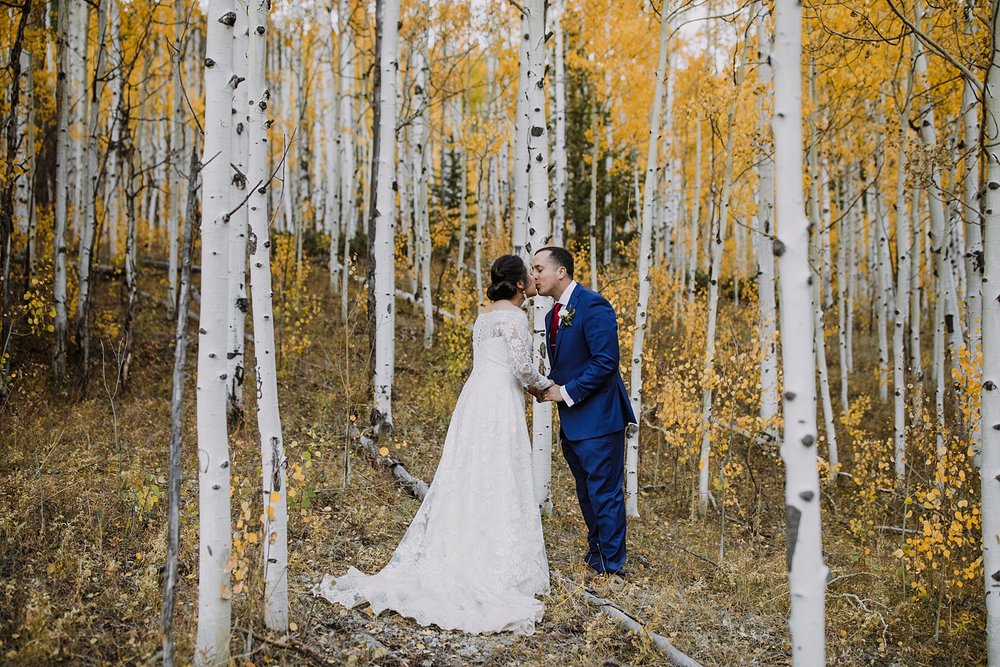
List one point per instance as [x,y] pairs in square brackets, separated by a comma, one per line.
[215,527]
[806,571]
[644,261]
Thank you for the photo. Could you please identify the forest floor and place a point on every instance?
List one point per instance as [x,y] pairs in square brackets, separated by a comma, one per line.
[83,529]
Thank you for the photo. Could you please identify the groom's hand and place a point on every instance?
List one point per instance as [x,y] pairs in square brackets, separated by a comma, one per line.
[553,393]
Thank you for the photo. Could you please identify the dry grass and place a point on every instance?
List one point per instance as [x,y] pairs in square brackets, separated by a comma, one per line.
[83,540]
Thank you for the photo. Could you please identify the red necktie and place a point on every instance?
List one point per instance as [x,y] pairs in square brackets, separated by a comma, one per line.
[555,324]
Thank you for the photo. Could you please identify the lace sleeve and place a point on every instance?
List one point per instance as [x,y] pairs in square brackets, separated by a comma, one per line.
[518,339]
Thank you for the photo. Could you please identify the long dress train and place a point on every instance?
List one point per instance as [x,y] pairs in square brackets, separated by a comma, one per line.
[473,559]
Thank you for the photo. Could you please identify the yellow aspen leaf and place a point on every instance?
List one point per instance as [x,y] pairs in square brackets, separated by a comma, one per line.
[383,451]
[270,512]
[275,497]
[252,537]
[226,592]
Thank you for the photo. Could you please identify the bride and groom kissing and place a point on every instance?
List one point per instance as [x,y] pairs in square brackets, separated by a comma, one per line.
[473,558]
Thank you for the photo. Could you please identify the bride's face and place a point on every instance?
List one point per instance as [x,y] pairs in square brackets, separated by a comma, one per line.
[530,289]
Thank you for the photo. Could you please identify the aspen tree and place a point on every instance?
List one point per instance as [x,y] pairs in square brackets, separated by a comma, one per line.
[273,463]
[382,216]
[806,571]
[59,291]
[215,543]
[717,241]
[559,154]
[644,260]
[236,296]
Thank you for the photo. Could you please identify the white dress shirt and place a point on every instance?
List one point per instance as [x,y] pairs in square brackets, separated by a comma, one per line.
[564,301]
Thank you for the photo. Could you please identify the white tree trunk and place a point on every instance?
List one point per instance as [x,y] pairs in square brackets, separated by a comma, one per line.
[236,297]
[559,158]
[695,214]
[176,151]
[91,188]
[61,194]
[536,142]
[718,242]
[971,211]
[768,310]
[522,184]
[609,230]
[592,226]
[24,175]
[215,529]
[644,260]
[331,150]
[806,571]
[112,199]
[990,469]
[383,216]
[904,244]
[481,213]
[273,464]
[421,167]
[348,186]
[844,234]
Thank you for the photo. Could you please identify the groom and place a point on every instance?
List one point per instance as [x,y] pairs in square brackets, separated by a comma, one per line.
[594,408]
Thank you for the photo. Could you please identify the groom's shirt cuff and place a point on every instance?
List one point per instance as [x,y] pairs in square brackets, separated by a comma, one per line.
[565,394]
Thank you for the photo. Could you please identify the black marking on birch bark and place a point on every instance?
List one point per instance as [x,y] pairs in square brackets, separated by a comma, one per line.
[267,126]
[209,547]
[790,395]
[538,158]
[779,247]
[239,128]
[993,185]
[228,19]
[209,63]
[224,377]
[989,386]
[996,427]
[995,576]
[252,241]
[225,464]
[792,518]
[243,304]
[263,105]
[235,81]
[809,280]
[238,376]
[807,495]
[259,30]
[267,244]
[202,331]
[537,131]
[949,323]
[275,464]
[997,478]
[216,487]
[273,561]
[808,440]
[395,186]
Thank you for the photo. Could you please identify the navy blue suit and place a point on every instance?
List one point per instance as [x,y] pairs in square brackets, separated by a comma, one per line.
[585,361]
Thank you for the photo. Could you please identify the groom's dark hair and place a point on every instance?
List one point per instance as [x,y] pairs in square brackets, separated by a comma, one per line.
[560,256]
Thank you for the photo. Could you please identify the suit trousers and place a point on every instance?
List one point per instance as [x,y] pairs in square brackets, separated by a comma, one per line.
[598,466]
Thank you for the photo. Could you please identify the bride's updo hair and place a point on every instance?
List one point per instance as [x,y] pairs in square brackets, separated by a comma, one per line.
[505,273]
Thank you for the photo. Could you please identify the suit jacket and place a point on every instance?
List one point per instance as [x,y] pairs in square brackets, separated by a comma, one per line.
[585,363]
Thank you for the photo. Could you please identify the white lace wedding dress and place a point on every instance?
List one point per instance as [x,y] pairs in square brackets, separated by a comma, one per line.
[473,558]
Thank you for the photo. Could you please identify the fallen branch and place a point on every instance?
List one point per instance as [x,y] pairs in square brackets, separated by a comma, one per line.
[414,485]
[673,655]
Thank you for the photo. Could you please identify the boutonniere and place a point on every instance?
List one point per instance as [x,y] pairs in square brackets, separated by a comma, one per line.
[566,317]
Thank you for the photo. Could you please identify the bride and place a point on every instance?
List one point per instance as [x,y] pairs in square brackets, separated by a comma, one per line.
[473,558]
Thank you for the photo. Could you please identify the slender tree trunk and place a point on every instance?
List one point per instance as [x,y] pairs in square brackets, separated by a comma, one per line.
[695,215]
[381,219]
[806,571]
[644,261]
[127,153]
[481,212]
[236,294]
[273,463]
[990,470]
[8,197]
[88,237]
[176,148]
[609,228]
[904,245]
[421,167]
[522,182]
[592,226]
[61,195]
[559,159]
[536,147]
[114,155]
[971,210]
[177,419]
[718,242]
[765,232]
[348,187]
[215,527]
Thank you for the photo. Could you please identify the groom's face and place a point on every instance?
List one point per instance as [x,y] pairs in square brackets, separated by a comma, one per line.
[548,274]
